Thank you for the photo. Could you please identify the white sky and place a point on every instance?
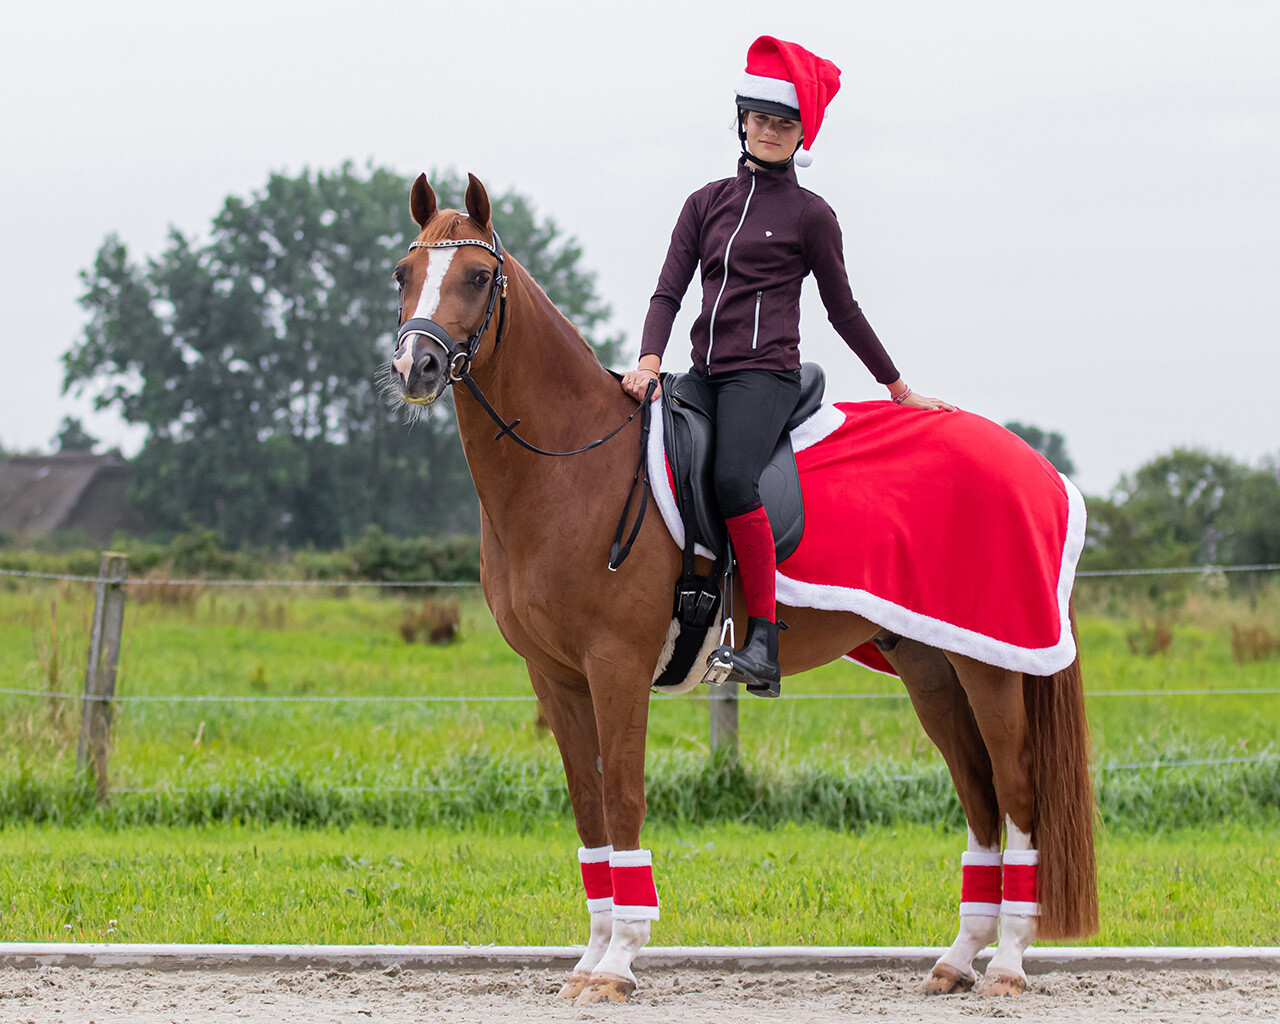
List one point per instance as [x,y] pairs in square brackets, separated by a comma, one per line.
[1066,214]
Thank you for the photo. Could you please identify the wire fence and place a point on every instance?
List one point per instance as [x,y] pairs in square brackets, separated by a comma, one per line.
[141,581]
[116,578]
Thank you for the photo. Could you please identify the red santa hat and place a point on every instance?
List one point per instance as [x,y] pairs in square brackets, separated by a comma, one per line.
[786,80]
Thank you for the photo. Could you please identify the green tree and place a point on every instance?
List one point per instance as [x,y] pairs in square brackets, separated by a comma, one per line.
[250,356]
[1188,507]
[1053,446]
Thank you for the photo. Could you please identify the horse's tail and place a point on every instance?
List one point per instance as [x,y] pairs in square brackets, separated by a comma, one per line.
[1067,877]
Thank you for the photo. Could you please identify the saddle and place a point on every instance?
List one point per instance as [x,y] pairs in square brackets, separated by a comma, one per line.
[688,420]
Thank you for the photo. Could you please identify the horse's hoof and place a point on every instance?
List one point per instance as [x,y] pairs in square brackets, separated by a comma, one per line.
[1003,983]
[945,980]
[574,986]
[605,988]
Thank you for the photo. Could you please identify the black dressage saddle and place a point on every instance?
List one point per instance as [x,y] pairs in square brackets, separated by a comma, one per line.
[688,422]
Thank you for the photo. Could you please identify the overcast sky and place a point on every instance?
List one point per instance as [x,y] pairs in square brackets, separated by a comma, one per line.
[1065,214]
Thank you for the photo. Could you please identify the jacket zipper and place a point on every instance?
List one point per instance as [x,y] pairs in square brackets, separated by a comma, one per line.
[711,332]
[755,328]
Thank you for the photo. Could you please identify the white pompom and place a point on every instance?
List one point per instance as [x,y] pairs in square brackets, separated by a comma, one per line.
[803,158]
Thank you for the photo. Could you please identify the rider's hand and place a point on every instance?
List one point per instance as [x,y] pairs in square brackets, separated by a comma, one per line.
[918,401]
[636,383]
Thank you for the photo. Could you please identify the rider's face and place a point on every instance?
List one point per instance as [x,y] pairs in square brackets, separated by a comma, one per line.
[771,138]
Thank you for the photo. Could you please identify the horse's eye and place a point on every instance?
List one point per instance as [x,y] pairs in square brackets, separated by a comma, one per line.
[399,276]
[481,278]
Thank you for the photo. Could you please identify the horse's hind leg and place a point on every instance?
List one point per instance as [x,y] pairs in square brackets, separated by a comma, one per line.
[569,711]
[999,709]
[943,708]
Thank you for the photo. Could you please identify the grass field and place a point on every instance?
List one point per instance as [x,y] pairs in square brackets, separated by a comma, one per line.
[730,885]
[485,854]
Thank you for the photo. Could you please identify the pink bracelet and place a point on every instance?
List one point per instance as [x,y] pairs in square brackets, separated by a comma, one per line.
[902,396]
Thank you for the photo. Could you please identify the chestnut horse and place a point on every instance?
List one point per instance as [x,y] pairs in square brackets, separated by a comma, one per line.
[1016,745]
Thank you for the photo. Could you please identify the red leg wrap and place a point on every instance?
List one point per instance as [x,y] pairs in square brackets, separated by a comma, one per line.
[753,545]
[635,897]
[1020,895]
[980,884]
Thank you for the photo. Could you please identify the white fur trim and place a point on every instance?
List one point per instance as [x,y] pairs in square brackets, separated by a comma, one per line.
[635,913]
[1022,857]
[802,158]
[979,909]
[630,859]
[775,90]
[1017,908]
[981,858]
[594,854]
[823,423]
[597,905]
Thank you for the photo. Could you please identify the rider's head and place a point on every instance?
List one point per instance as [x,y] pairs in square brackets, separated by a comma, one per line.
[783,85]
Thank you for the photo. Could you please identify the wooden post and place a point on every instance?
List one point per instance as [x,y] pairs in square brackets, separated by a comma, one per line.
[100,676]
[724,719]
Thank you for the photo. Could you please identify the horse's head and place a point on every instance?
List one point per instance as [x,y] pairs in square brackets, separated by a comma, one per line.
[450,282]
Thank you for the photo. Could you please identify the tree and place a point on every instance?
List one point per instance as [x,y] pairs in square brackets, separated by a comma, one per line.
[1188,507]
[72,437]
[249,357]
[1052,446]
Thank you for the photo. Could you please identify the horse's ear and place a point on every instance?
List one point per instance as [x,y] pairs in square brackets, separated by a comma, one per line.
[422,201]
[477,201]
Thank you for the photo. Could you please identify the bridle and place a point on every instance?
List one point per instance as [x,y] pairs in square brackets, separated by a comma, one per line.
[461,353]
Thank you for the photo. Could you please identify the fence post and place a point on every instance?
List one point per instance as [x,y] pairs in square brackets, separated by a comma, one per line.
[100,675]
[724,719]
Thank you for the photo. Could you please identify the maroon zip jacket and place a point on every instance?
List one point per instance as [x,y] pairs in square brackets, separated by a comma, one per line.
[757,236]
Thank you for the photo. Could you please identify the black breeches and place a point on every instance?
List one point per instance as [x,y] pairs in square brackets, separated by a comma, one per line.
[752,408]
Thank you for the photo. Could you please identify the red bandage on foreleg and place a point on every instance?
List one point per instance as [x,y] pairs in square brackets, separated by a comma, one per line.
[635,897]
[1020,895]
[596,876]
[980,883]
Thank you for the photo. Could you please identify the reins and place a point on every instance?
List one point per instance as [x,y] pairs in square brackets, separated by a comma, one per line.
[460,355]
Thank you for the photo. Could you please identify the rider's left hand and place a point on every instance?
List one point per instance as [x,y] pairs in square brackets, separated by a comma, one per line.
[918,401]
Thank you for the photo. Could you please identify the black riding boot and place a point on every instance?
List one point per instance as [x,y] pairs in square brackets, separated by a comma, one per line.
[756,661]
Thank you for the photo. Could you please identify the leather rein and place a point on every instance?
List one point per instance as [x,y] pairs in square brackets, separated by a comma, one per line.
[461,353]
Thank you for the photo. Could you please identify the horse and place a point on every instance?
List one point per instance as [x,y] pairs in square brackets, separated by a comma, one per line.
[1016,745]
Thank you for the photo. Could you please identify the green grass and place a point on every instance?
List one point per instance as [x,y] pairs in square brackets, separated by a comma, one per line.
[724,886]
[259,644]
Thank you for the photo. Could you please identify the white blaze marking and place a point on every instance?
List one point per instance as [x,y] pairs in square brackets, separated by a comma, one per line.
[429,298]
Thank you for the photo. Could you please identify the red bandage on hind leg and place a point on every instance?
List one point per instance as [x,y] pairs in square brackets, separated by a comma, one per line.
[980,883]
[635,897]
[753,546]
[596,876]
[1020,895]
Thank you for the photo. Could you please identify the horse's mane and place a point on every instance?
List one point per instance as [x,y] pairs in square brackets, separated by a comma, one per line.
[444,225]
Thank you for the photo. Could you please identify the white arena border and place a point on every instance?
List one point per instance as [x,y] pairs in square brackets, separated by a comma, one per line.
[251,957]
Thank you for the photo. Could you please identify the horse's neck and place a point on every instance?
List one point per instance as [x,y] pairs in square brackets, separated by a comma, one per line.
[546,376]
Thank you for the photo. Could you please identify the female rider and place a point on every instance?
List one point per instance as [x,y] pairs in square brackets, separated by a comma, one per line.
[756,236]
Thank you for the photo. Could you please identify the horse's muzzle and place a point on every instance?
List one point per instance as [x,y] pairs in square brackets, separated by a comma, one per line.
[420,369]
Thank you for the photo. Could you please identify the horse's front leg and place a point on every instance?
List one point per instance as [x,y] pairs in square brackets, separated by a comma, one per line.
[622,715]
[566,703]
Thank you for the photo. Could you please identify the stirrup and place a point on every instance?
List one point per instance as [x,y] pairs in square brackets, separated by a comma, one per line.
[720,667]
[720,661]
